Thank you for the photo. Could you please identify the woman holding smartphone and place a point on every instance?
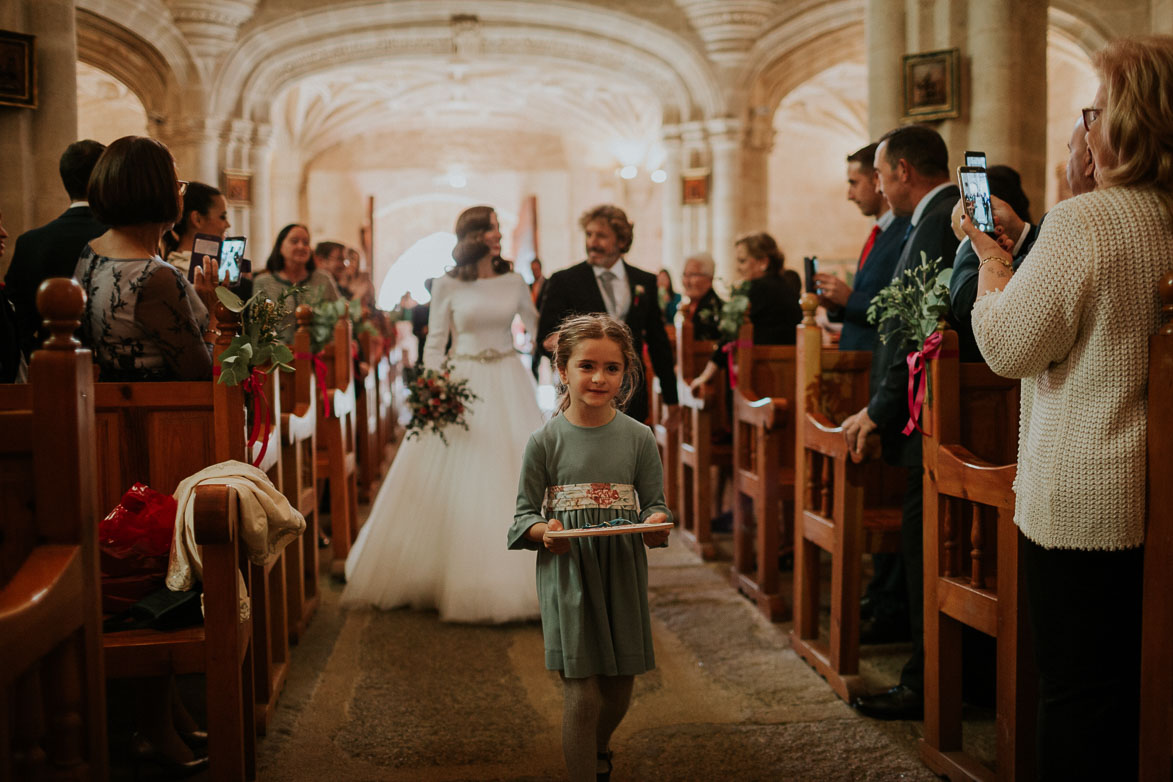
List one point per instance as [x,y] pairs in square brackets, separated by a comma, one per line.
[204,212]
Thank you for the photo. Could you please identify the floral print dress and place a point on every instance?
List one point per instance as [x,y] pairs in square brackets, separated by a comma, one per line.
[594,599]
[136,337]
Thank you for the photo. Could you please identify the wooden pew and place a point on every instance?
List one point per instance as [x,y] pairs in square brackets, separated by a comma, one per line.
[763,470]
[385,370]
[1156,662]
[52,689]
[971,564]
[842,507]
[667,440]
[299,471]
[337,458]
[700,459]
[159,434]
[368,446]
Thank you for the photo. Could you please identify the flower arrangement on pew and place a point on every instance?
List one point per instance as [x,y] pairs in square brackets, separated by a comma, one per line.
[733,312]
[326,316]
[252,353]
[910,310]
[437,400]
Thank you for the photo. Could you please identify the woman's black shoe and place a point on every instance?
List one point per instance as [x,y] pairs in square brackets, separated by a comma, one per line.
[195,739]
[145,753]
[605,776]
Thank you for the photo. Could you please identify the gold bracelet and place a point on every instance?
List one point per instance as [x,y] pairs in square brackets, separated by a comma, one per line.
[1007,262]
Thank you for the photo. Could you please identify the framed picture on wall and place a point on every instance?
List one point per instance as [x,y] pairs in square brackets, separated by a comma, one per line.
[18,70]
[931,85]
[238,187]
[695,186]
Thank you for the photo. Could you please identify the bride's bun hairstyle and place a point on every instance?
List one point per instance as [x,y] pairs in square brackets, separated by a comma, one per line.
[577,329]
[470,243]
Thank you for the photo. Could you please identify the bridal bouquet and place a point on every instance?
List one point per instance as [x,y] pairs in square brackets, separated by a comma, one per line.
[436,399]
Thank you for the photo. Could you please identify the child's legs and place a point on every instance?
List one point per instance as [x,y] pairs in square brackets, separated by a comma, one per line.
[616,692]
[582,703]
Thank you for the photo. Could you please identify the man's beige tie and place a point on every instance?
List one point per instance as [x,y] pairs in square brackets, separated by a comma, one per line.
[608,280]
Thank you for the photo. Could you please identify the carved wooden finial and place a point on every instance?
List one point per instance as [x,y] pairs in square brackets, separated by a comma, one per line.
[305,315]
[809,303]
[1165,289]
[61,302]
[228,323]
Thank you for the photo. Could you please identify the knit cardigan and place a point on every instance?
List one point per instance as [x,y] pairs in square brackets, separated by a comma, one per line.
[1074,324]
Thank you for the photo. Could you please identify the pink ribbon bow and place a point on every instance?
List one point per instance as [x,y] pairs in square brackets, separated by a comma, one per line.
[918,378]
[320,372]
[728,348]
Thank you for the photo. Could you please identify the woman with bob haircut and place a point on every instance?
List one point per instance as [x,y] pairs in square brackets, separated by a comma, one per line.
[290,263]
[435,537]
[143,319]
[1074,322]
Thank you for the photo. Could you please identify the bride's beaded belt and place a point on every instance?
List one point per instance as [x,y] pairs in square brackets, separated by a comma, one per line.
[485,356]
[580,496]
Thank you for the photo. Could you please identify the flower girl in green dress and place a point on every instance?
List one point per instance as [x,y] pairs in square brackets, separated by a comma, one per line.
[587,466]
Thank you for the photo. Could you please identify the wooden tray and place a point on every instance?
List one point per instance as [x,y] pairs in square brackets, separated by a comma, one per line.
[621,529]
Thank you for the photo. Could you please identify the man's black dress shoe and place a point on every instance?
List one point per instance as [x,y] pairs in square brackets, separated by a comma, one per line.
[882,631]
[898,703]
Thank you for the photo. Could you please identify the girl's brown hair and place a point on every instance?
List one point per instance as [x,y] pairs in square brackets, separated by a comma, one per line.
[470,243]
[579,328]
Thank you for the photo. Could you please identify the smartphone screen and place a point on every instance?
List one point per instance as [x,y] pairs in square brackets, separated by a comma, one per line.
[975,159]
[810,267]
[975,192]
[203,246]
[231,256]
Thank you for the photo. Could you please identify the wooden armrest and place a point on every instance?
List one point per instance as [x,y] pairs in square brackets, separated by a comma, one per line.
[45,593]
[960,473]
[216,514]
[765,412]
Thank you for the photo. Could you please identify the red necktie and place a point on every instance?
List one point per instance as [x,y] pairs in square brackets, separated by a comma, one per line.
[867,247]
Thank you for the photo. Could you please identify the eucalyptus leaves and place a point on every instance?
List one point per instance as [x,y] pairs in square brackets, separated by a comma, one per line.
[326,316]
[733,312]
[258,344]
[915,303]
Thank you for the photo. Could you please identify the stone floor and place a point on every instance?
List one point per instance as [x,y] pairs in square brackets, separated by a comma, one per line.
[401,696]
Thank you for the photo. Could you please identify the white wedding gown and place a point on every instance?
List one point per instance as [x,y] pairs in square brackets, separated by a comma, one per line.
[435,537]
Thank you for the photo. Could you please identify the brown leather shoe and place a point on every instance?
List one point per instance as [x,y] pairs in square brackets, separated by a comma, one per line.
[898,703]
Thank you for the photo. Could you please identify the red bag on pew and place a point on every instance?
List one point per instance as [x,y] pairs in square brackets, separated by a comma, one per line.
[134,543]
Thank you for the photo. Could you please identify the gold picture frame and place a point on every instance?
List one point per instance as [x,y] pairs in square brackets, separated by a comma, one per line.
[694,186]
[931,85]
[18,70]
[238,187]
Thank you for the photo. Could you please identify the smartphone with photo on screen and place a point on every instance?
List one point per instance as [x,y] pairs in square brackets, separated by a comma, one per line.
[975,194]
[975,159]
[810,267]
[232,259]
[203,247]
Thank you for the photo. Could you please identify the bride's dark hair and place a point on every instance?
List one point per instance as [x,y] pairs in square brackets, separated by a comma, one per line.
[470,244]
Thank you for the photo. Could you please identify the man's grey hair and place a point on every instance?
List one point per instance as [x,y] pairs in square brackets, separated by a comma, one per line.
[705,260]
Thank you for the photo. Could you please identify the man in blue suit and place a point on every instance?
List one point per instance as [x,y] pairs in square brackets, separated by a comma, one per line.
[877,261]
[913,167]
[884,607]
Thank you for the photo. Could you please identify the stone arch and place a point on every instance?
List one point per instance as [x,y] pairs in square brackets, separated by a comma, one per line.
[1069,21]
[272,56]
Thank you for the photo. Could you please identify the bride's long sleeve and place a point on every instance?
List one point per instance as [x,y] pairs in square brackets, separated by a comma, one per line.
[439,323]
[526,309]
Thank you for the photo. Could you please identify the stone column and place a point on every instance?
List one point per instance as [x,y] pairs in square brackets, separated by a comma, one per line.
[1008,113]
[1161,20]
[32,140]
[755,173]
[884,36]
[195,142]
[262,233]
[725,200]
[672,200]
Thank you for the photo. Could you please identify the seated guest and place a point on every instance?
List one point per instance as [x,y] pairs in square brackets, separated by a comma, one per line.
[1074,323]
[53,249]
[12,364]
[143,319]
[773,304]
[204,212]
[292,263]
[331,258]
[704,305]
[667,296]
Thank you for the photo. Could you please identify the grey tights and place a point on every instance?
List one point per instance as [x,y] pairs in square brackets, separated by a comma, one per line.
[591,710]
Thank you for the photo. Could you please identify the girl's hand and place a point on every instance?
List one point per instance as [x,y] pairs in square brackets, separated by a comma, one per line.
[656,537]
[555,545]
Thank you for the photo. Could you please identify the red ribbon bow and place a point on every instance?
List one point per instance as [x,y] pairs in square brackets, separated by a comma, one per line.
[918,378]
[728,348]
[320,372]
[254,384]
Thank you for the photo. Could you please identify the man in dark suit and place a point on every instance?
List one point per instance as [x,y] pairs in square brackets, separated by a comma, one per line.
[877,260]
[913,167]
[53,249]
[604,282]
[884,607]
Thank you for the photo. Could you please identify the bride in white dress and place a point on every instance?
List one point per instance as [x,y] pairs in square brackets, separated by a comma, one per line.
[435,538]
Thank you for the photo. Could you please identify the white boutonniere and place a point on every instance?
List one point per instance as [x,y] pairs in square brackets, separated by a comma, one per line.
[639,291]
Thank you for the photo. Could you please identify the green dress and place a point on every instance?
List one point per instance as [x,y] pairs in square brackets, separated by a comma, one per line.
[594,599]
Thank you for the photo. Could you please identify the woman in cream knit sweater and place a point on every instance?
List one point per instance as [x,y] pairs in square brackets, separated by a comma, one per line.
[1073,322]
